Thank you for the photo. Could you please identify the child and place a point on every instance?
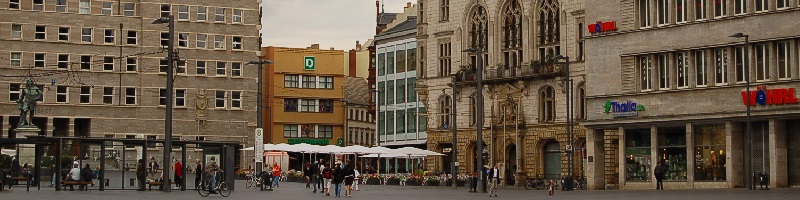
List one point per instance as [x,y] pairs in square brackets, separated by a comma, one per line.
[552,187]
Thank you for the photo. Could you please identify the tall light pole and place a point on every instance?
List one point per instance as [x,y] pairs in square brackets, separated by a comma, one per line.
[170,21]
[749,167]
[479,123]
[259,100]
[570,132]
[454,148]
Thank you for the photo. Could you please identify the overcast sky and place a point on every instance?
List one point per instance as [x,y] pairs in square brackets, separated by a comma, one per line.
[330,23]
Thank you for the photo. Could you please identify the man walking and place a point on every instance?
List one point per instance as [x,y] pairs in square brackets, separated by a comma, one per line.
[494,178]
[315,175]
[327,174]
[276,174]
[659,173]
[198,173]
[178,174]
[141,174]
[338,178]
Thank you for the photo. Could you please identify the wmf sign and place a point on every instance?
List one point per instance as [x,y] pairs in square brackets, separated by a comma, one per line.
[309,63]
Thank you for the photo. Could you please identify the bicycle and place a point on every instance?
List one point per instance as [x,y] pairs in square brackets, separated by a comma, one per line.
[537,183]
[222,188]
[254,180]
[580,183]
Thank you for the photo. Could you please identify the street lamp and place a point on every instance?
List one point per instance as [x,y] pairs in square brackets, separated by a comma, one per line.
[749,166]
[259,114]
[479,104]
[170,21]
[454,167]
[570,131]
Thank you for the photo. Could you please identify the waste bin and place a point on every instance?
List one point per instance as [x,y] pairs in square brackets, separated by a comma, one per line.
[133,180]
[473,184]
[763,180]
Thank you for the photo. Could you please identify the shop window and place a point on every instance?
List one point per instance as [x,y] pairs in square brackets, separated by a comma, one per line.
[672,152]
[638,164]
[710,153]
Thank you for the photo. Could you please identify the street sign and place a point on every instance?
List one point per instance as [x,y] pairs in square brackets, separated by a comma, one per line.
[569,148]
[309,63]
[259,145]
[457,163]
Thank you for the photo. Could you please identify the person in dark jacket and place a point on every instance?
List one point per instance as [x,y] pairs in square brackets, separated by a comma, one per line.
[349,177]
[338,178]
[86,176]
[141,174]
[307,174]
[659,174]
[315,175]
[198,173]
[493,178]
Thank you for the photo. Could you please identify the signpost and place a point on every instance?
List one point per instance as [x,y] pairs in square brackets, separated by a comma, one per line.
[309,63]
[259,149]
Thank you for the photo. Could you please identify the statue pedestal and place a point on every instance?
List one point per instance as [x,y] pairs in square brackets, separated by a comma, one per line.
[26,152]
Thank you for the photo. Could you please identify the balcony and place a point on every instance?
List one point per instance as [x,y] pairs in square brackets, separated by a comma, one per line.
[509,74]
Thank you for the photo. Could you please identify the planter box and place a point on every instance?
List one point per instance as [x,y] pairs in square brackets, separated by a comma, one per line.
[433,183]
[373,181]
[413,182]
[393,182]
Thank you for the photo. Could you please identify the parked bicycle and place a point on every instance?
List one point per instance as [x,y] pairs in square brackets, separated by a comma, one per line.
[580,183]
[254,180]
[538,183]
[222,188]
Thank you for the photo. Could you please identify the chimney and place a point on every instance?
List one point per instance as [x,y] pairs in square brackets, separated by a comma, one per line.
[352,64]
[358,45]
[332,49]
[408,4]
[314,46]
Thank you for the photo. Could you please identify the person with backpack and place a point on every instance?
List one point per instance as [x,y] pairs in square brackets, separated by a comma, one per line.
[327,174]
[659,173]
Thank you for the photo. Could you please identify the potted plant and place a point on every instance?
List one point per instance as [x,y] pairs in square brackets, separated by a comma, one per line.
[241,174]
[413,181]
[432,181]
[393,180]
[373,180]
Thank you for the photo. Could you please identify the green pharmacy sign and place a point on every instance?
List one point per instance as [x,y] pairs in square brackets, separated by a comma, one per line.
[622,109]
[309,141]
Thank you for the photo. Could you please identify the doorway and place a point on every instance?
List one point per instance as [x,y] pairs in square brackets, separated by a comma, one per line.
[511,163]
[552,160]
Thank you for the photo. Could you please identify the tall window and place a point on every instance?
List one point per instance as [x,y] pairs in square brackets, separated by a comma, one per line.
[39,60]
[401,58]
[63,61]
[219,99]
[180,66]
[740,7]
[201,67]
[183,12]
[86,62]
[14,91]
[390,92]
[183,39]
[547,111]
[41,32]
[290,105]
[672,152]
[165,10]
[444,10]
[221,68]
[512,34]
[163,65]
[162,97]
[236,100]
[700,9]
[16,59]
[326,105]
[219,15]
[62,94]
[219,42]
[411,83]
[680,9]
[784,56]
[237,43]
[762,62]
[390,60]
[663,71]
[662,7]
[84,6]
[108,63]
[683,69]
[236,69]
[401,121]
[638,158]
[108,95]
[63,34]
[782,4]
[16,31]
[710,152]
[473,108]
[326,82]
[202,13]
[164,39]
[644,13]
[308,105]
[61,5]
[309,82]
[130,64]
[444,59]
[130,96]
[129,9]
[180,98]
[646,71]
[549,22]
[445,107]
[107,8]
[582,102]
[721,66]
[401,91]
[412,121]
[701,67]
[132,38]
[201,41]
[108,36]
[720,8]
[237,16]
[421,10]
[291,81]
[291,130]
[740,64]
[381,63]
[762,5]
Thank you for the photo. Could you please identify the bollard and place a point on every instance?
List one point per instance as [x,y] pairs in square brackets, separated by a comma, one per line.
[106,182]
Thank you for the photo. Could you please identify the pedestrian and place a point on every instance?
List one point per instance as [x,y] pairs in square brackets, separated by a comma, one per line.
[659,174]
[153,166]
[552,188]
[307,174]
[86,176]
[357,175]
[276,174]
[327,174]
[211,169]
[315,175]
[198,173]
[493,178]
[14,167]
[338,178]
[141,174]
[178,173]
[349,178]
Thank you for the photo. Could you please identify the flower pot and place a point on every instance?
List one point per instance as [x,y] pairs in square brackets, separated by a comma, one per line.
[373,181]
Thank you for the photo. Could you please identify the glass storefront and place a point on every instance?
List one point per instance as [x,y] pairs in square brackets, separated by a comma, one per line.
[672,152]
[637,152]
[710,153]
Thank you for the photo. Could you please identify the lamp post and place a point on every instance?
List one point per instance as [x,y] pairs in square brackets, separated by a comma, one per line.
[570,132]
[259,112]
[479,104]
[749,167]
[170,21]
[454,167]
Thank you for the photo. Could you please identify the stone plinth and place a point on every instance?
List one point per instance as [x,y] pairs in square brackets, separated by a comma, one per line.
[26,152]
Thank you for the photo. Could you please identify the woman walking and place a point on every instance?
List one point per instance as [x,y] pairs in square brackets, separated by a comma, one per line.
[307,175]
[349,176]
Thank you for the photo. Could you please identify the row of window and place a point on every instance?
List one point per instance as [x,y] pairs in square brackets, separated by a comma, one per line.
[708,144]
[770,61]
[307,131]
[201,13]
[308,81]
[222,99]
[360,136]
[131,64]
[308,105]
[401,58]
[402,121]
[397,91]
[131,37]
[702,9]
[360,115]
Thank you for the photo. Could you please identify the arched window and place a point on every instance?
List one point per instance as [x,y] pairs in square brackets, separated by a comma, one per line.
[479,33]
[549,30]
[582,102]
[547,107]
[512,34]
[473,110]
[445,108]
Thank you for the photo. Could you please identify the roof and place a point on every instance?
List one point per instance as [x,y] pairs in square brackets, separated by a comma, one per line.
[386,18]
[409,24]
[356,91]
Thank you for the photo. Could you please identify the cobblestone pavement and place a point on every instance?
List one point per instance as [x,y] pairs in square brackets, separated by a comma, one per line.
[290,191]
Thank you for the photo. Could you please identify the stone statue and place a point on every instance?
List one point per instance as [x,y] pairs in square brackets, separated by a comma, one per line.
[510,111]
[201,104]
[27,104]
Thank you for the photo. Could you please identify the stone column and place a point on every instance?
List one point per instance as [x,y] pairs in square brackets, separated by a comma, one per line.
[595,152]
[51,127]
[778,174]
[690,153]
[653,154]
[734,159]
[5,124]
[621,157]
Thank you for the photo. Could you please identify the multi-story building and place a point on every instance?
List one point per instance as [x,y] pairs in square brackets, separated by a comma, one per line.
[524,93]
[102,66]
[667,83]
[305,96]
[360,124]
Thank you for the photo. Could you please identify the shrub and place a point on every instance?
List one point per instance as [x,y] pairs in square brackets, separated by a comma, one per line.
[432,182]
[393,181]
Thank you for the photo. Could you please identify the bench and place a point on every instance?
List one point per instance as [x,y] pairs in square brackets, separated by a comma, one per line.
[64,184]
[151,184]
[16,181]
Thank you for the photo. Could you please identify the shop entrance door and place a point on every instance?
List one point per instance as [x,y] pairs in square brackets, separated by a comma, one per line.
[552,160]
[793,151]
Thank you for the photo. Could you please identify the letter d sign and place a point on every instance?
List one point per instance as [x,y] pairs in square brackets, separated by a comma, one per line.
[309,63]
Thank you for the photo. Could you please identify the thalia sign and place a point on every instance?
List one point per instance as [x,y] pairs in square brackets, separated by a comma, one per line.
[623,109]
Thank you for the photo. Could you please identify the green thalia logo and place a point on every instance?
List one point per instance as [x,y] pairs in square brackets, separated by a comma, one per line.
[622,109]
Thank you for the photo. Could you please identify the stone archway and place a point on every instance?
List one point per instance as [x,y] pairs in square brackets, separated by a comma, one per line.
[472,158]
[511,163]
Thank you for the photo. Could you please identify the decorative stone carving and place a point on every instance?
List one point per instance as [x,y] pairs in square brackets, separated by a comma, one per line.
[201,104]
